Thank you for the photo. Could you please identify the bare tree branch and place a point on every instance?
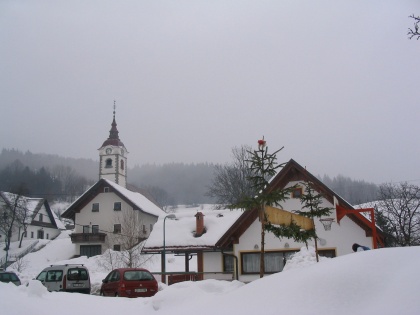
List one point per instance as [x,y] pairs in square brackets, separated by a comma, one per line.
[400,206]
[231,182]
[414,32]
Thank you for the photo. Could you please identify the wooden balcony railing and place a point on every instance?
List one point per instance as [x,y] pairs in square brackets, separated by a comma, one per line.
[88,237]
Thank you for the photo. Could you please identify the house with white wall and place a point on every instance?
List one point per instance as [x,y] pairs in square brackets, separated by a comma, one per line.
[228,244]
[103,214]
[41,222]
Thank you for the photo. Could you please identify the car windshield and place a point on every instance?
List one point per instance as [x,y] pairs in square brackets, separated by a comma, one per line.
[41,276]
[137,275]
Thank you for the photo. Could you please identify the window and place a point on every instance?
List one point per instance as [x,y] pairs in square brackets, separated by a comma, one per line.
[228,262]
[250,262]
[41,276]
[117,206]
[86,229]
[151,227]
[330,253]
[273,261]
[115,276]
[40,234]
[117,247]
[108,163]
[90,250]
[117,228]
[106,189]
[122,164]
[144,229]
[95,207]
[54,275]
[41,217]
[297,192]
[32,234]
[77,274]
[95,228]
[48,236]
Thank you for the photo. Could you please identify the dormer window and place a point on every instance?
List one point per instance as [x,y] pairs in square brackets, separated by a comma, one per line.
[108,163]
[41,217]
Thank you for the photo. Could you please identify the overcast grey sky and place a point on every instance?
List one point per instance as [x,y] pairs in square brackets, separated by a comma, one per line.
[334,82]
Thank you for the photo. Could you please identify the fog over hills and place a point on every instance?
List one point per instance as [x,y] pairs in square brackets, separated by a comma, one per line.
[178,183]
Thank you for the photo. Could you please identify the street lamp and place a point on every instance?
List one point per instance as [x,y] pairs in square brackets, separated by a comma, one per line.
[172,217]
[7,239]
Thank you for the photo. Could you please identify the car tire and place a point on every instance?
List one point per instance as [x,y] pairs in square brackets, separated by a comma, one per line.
[117,295]
[101,293]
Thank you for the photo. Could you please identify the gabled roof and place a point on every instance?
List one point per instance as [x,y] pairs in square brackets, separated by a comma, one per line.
[293,171]
[223,233]
[134,199]
[180,233]
[33,205]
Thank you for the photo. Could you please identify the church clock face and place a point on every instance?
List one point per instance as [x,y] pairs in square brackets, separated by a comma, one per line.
[108,151]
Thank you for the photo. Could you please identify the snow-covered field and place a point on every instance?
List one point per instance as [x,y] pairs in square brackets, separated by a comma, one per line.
[384,281]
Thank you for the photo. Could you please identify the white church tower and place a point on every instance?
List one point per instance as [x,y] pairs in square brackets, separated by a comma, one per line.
[113,157]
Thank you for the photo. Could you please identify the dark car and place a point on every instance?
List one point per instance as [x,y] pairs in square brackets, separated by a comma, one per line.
[9,276]
[129,282]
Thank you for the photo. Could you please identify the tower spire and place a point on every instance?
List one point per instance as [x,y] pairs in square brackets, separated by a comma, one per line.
[113,138]
[113,156]
[115,106]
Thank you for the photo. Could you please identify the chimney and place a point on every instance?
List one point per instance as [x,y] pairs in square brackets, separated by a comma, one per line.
[199,223]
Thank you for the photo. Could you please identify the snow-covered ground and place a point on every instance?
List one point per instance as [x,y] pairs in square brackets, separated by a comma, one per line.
[383,281]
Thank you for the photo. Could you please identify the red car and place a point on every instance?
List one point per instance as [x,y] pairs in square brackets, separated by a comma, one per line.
[129,282]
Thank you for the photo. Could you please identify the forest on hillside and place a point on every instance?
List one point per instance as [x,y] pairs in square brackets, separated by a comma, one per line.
[59,178]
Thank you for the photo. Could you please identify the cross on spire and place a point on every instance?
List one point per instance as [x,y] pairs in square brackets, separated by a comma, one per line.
[115,106]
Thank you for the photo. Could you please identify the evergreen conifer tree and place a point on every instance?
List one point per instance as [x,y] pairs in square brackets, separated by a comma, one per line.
[312,208]
[263,167]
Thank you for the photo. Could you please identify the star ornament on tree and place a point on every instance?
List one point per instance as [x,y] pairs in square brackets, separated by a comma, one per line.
[261,144]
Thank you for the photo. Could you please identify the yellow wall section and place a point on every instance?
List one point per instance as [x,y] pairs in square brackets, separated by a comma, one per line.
[279,216]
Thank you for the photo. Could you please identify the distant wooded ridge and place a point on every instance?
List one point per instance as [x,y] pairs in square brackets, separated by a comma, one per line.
[172,183]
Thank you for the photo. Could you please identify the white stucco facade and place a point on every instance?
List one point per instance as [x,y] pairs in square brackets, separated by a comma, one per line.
[41,226]
[113,164]
[339,239]
[105,217]
[41,222]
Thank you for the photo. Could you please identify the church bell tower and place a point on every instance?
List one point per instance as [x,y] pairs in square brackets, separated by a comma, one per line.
[113,157]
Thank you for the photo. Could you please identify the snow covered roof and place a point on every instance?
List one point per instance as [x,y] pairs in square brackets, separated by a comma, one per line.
[180,232]
[137,200]
[33,205]
[58,222]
